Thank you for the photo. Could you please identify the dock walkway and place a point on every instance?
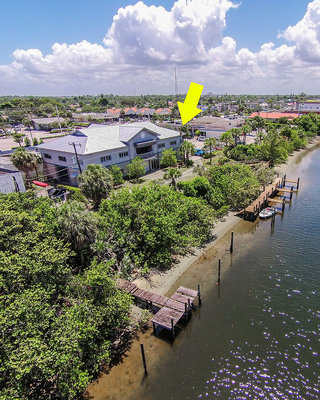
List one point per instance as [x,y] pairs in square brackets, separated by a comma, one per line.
[171,310]
[276,188]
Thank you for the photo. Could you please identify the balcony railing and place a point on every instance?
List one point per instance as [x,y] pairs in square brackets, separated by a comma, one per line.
[150,154]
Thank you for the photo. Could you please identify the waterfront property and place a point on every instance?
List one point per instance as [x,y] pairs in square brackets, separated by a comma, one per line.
[65,157]
[169,311]
[269,195]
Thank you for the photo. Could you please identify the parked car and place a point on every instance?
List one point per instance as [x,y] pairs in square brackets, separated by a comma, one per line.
[201,138]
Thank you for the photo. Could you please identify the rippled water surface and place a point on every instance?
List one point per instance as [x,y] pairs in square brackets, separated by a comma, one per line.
[257,336]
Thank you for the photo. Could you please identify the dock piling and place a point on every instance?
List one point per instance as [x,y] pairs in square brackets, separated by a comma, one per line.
[283,204]
[231,244]
[298,183]
[143,359]
[291,192]
[219,271]
[172,328]
[199,297]
[284,180]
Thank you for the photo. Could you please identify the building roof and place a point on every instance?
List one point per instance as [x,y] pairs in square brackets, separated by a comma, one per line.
[47,120]
[275,115]
[99,138]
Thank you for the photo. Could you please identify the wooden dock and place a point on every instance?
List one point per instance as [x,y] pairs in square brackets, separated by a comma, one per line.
[270,195]
[170,310]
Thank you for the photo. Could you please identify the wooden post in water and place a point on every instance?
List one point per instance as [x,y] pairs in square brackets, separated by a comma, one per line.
[273,220]
[143,359]
[283,204]
[291,193]
[231,244]
[172,328]
[298,183]
[284,180]
[189,308]
[199,297]
[219,271]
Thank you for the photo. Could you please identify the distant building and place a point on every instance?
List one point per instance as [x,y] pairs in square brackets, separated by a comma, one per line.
[273,116]
[11,180]
[46,123]
[307,107]
[106,145]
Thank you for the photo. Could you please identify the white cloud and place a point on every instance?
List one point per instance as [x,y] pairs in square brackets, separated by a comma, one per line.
[147,35]
[306,34]
[144,44]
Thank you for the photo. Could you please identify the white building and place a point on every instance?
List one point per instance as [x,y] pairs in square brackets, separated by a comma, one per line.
[11,181]
[309,107]
[46,123]
[106,145]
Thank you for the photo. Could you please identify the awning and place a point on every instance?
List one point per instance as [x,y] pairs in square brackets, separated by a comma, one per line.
[42,184]
[145,143]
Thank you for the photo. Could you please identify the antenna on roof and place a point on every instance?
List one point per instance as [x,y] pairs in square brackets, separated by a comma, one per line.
[175,82]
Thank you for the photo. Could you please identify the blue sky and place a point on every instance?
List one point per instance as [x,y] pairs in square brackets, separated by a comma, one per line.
[38,25]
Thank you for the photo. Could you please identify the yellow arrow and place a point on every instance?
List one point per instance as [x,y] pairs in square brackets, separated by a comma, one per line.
[188,109]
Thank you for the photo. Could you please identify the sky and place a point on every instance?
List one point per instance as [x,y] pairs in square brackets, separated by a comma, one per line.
[77,47]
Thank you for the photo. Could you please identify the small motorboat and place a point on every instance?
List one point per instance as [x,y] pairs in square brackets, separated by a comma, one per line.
[267,212]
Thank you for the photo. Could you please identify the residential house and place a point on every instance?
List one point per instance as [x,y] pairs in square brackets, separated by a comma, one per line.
[106,145]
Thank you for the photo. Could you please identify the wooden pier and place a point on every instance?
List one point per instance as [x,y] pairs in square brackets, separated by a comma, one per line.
[271,195]
[170,310]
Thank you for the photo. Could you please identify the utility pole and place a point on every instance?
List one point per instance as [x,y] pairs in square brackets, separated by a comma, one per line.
[58,119]
[76,154]
[175,83]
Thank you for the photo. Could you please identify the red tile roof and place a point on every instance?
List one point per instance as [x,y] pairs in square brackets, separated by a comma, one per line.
[274,115]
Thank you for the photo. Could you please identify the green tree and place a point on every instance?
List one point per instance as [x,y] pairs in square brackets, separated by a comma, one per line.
[145,227]
[187,149]
[210,144]
[168,158]
[57,327]
[136,168]
[27,142]
[18,137]
[117,175]
[226,138]
[25,161]
[78,227]
[96,183]
[171,175]
[236,182]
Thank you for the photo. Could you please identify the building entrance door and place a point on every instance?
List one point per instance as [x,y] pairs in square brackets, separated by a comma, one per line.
[154,164]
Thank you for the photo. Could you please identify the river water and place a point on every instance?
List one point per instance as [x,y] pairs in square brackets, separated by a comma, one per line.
[257,335]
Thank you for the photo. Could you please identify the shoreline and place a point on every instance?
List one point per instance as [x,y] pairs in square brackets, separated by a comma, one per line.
[162,282]
[125,375]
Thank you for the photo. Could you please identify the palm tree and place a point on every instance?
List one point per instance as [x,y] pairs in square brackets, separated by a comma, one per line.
[187,149]
[17,137]
[235,132]
[245,130]
[226,137]
[172,174]
[35,162]
[78,226]
[25,161]
[210,144]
